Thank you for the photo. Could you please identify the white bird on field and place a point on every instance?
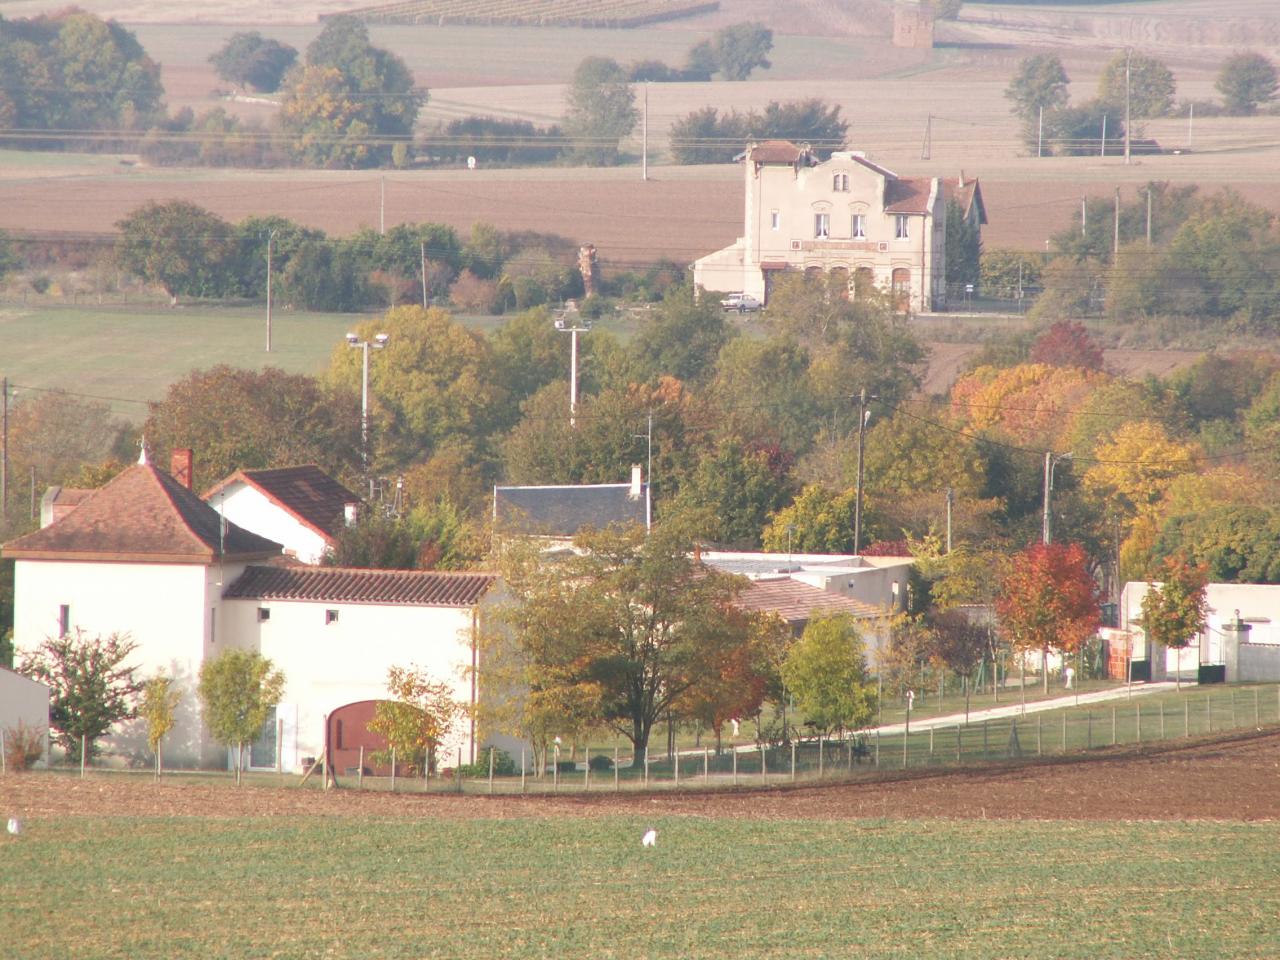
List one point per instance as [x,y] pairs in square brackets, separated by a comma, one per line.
[650,839]
[15,827]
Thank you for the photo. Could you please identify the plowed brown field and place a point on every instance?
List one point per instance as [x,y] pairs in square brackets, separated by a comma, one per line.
[1235,778]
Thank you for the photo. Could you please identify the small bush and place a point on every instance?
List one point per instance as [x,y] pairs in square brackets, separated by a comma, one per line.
[475,295]
[503,765]
[600,763]
[41,283]
[23,746]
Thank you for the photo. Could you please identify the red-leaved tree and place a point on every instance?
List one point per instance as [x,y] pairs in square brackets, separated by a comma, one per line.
[1048,600]
[1067,344]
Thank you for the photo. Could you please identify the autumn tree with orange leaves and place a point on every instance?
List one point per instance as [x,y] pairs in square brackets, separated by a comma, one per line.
[1048,601]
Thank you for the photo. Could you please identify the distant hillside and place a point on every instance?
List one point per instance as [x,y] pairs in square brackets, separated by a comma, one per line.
[534,13]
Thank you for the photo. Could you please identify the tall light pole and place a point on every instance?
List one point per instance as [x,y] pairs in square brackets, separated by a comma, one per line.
[1050,461]
[1128,55]
[271,235]
[648,477]
[573,328]
[863,416]
[378,342]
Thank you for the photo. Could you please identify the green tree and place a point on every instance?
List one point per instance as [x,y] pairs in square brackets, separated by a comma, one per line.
[9,260]
[54,434]
[682,336]
[184,249]
[704,136]
[962,644]
[740,48]
[416,720]
[601,110]
[157,708]
[528,354]
[376,541]
[632,617]
[239,690]
[1245,81]
[248,59]
[817,521]
[1176,610]
[963,246]
[91,688]
[826,671]
[252,235]
[1007,273]
[323,275]
[1150,86]
[104,77]
[812,121]
[1039,83]
[738,489]
[256,418]
[1079,131]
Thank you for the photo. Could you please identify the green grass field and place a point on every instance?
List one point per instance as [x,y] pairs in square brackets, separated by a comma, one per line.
[535,888]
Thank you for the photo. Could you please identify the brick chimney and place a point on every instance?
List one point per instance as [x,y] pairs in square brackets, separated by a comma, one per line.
[182,467]
[637,482]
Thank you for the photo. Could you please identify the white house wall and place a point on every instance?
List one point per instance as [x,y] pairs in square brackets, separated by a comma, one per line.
[24,702]
[250,508]
[166,609]
[328,665]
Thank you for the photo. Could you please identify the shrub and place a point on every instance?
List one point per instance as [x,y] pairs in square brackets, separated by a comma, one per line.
[503,765]
[475,295]
[600,763]
[23,746]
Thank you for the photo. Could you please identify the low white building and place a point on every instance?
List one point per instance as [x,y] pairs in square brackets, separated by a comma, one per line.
[24,705]
[145,557]
[879,582]
[1241,634]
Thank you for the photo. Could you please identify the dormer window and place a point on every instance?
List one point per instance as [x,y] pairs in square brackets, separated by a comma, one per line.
[840,183]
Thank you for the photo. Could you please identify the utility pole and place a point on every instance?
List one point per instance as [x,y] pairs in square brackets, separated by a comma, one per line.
[1115,250]
[1050,461]
[573,332]
[1084,215]
[1128,55]
[927,149]
[382,205]
[271,235]
[1103,149]
[377,343]
[422,247]
[1040,134]
[950,500]
[644,137]
[1148,215]
[857,504]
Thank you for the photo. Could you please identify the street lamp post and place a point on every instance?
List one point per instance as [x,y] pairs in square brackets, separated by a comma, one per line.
[863,416]
[378,342]
[1050,462]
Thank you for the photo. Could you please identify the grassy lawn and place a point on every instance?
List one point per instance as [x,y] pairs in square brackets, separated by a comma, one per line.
[585,888]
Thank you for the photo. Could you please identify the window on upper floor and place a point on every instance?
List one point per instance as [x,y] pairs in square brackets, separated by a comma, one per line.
[775,219]
[330,616]
[859,230]
[264,614]
[821,226]
[840,183]
[901,230]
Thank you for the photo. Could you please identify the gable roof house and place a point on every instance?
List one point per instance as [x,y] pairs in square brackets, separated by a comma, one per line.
[301,507]
[558,513]
[846,216]
[145,556]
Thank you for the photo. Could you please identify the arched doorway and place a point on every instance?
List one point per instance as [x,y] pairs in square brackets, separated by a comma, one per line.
[900,284]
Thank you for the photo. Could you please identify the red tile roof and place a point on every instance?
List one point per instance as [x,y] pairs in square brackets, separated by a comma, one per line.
[142,515]
[908,195]
[307,492]
[422,588]
[795,601]
[775,151]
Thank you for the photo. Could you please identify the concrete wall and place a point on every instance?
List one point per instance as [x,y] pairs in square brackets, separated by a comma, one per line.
[329,663]
[1256,662]
[24,701]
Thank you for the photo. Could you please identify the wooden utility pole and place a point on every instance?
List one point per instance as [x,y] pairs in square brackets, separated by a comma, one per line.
[4,446]
[857,506]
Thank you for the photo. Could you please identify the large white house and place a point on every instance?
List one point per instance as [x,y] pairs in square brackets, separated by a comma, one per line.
[145,556]
[846,216]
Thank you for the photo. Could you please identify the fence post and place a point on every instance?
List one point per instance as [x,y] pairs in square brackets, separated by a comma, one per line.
[675,764]
[931,746]
[393,769]
[1161,719]
[957,743]
[877,748]
[1089,733]
[1139,707]
[819,756]
[986,750]
[522,770]
[1039,718]
[706,758]
[457,769]
[586,770]
[491,771]
[1235,719]
[1208,711]
[763,772]
[646,767]
[735,766]
[1256,721]
[793,761]
[1064,731]
[4,763]
[616,785]
[1113,726]
[1186,718]
[84,752]
[360,772]
[906,738]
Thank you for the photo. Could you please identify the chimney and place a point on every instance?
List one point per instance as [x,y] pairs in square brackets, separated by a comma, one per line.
[637,481]
[181,464]
[961,181]
[350,512]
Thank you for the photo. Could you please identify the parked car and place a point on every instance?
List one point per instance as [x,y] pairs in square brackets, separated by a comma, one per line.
[742,302]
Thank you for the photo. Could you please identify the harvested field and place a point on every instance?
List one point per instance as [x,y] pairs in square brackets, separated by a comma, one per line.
[1233,778]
